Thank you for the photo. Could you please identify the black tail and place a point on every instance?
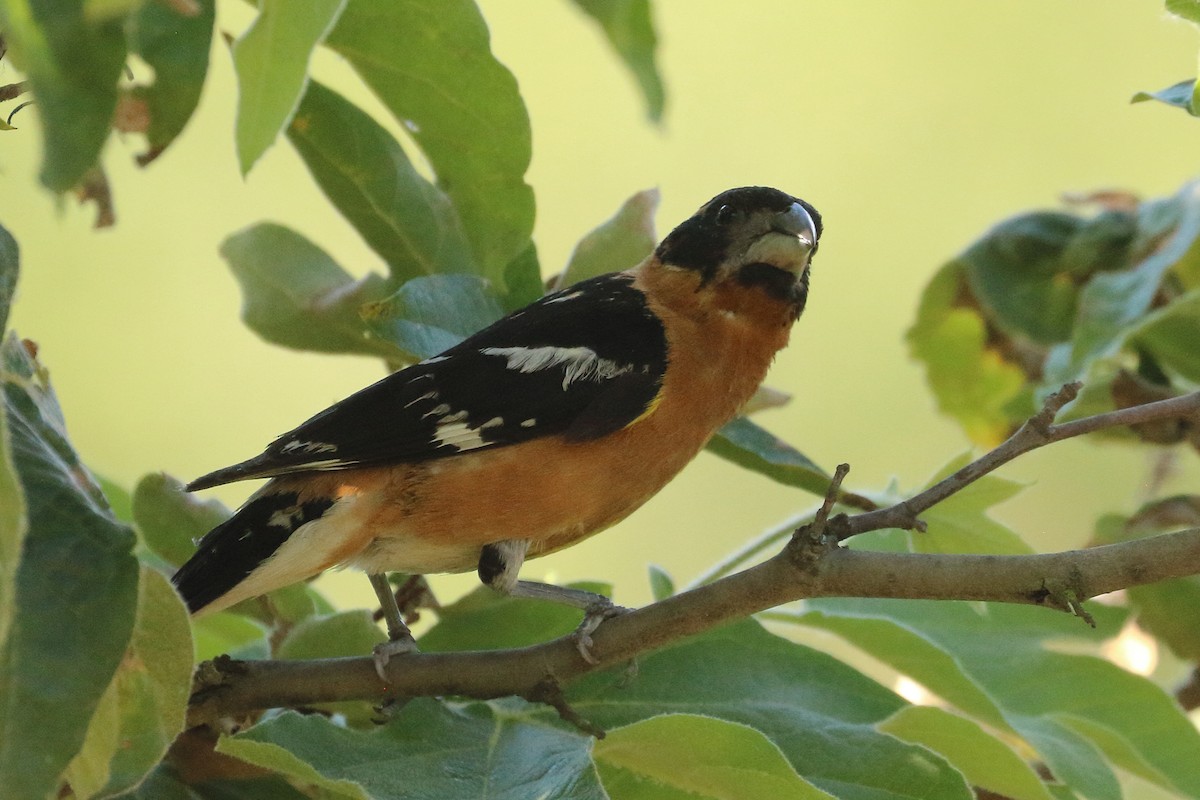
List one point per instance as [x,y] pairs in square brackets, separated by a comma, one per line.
[233,549]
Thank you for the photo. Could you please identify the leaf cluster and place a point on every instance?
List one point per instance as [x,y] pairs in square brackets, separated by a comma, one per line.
[96,650]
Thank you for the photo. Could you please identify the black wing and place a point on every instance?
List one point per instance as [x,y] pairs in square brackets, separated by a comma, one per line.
[581,362]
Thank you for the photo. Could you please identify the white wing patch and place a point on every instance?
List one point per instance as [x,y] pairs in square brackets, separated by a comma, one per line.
[579,363]
[453,431]
[308,448]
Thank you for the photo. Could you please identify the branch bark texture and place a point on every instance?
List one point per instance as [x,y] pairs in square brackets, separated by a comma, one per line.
[812,564]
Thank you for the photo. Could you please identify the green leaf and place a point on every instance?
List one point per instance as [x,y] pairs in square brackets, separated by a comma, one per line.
[995,648]
[662,585]
[523,278]
[630,30]
[971,381]
[10,261]
[1169,610]
[725,760]
[13,523]
[165,783]
[337,635]
[428,315]
[431,64]
[985,760]
[960,524]
[1170,333]
[295,295]
[429,750]
[73,60]
[1186,9]
[821,713]
[1016,272]
[144,706]
[176,46]
[347,633]
[620,243]
[1112,302]
[170,519]
[752,447]
[76,590]
[1177,95]
[366,175]
[226,632]
[271,60]
[488,620]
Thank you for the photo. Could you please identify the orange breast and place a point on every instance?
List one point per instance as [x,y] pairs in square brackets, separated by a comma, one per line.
[555,492]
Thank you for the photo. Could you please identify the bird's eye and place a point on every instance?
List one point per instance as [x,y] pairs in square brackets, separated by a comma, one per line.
[726,215]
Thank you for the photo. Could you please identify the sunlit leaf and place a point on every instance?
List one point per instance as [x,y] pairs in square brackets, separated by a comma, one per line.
[995,648]
[820,713]
[431,64]
[271,60]
[488,620]
[296,295]
[365,173]
[143,708]
[630,30]
[346,633]
[970,380]
[985,760]
[724,760]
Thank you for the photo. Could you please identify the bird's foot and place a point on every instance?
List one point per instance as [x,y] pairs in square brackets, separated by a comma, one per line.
[384,651]
[593,616]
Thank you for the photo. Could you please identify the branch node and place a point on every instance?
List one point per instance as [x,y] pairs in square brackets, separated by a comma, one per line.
[817,530]
[1064,598]
[1054,403]
[548,691]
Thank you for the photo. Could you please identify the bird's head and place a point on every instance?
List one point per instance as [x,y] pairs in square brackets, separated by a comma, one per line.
[749,249]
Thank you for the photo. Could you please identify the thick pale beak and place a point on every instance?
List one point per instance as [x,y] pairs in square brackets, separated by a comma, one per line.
[796,221]
[788,243]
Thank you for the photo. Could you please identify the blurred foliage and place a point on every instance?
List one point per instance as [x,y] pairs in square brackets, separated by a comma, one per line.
[1111,299]
[95,648]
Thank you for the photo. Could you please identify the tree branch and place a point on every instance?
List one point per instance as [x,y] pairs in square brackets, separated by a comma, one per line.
[812,564]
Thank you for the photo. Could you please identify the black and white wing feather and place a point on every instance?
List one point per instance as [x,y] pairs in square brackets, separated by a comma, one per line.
[581,363]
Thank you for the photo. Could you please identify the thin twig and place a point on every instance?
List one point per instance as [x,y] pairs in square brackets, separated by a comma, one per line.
[1036,432]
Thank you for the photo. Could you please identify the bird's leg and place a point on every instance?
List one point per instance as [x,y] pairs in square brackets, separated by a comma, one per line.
[499,564]
[400,638]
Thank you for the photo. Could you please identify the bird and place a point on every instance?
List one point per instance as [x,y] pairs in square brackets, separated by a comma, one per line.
[540,430]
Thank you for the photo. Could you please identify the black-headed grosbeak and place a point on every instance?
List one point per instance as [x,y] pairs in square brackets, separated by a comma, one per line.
[548,426]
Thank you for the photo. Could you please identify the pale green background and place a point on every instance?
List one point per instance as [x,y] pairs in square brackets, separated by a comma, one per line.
[911,126]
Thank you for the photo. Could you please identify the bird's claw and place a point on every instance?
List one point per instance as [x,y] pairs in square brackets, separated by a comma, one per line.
[384,651]
[593,616]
